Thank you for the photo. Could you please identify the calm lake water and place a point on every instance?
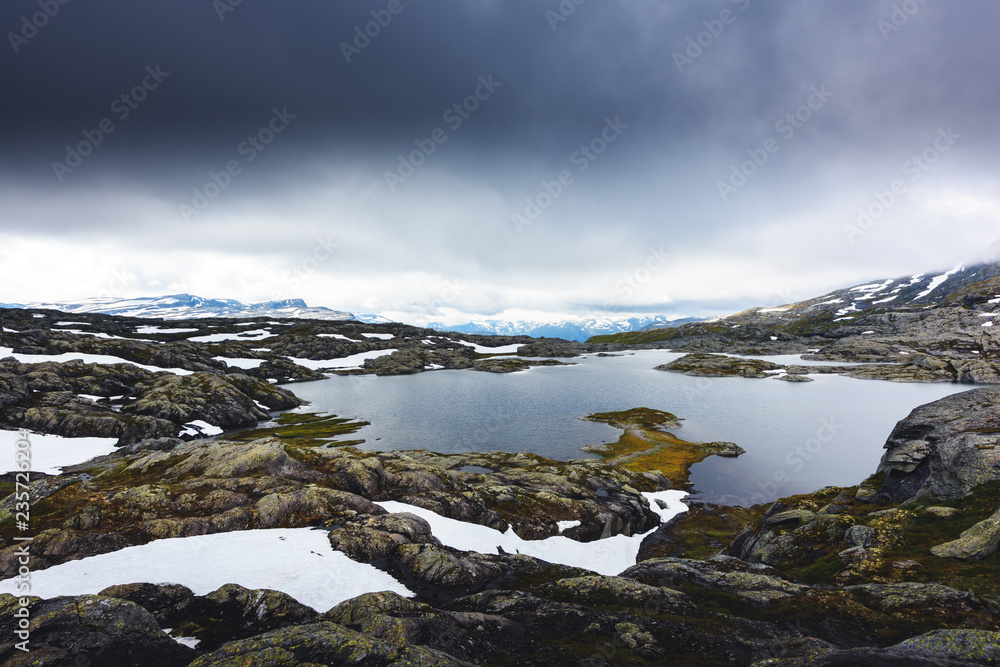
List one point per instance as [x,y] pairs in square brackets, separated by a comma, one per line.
[798,436]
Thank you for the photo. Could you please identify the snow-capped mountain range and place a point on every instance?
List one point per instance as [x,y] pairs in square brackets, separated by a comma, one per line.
[187,306]
[841,306]
[578,330]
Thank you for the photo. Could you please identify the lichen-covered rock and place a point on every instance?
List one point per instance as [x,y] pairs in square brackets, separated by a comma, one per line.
[261,607]
[978,542]
[938,648]
[44,397]
[284,371]
[718,365]
[443,571]
[919,598]
[170,604]
[225,459]
[322,643]
[944,512]
[794,377]
[755,583]
[859,536]
[54,546]
[623,591]
[13,390]
[221,400]
[794,516]
[64,413]
[372,538]
[981,647]
[787,537]
[67,631]
[440,573]
[944,448]
[465,635]
[511,364]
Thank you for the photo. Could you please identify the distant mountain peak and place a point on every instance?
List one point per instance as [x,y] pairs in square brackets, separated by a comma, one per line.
[189,306]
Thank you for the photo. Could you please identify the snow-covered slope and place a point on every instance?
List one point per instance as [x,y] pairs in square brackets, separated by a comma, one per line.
[920,291]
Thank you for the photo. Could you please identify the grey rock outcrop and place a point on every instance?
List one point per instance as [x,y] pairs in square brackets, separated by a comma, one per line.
[944,448]
[978,542]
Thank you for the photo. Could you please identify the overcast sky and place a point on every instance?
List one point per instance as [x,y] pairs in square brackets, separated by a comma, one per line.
[637,156]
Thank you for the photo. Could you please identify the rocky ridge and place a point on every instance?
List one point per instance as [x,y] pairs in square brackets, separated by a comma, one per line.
[931,328]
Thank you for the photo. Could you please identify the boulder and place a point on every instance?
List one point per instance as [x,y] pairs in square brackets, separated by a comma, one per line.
[945,448]
[373,538]
[322,643]
[465,635]
[977,542]
[758,584]
[89,629]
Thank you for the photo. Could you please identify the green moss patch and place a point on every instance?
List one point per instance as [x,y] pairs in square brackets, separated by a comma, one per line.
[305,430]
[644,447]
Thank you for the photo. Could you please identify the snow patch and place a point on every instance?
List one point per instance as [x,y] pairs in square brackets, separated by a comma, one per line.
[85,358]
[380,336]
[49,453]
[240,363]
[296,561]
[608,556]
[482,349]
[566,525]
[157,330]
[201,428]
[220,337]
[96,334]
[352,361]
[338,337]
[872,287]
[190,642]
[937,281]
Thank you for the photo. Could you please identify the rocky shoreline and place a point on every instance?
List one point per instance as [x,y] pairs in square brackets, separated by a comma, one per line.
[919,369]
[842,576]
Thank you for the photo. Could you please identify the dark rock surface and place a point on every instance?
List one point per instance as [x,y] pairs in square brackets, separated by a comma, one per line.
[92,630]
[718,365]
[944,448]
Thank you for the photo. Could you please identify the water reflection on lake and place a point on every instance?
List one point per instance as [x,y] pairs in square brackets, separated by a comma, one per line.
[798,436]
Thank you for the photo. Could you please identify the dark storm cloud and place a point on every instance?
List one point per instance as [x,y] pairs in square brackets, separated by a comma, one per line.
[557,85]
[698,85]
